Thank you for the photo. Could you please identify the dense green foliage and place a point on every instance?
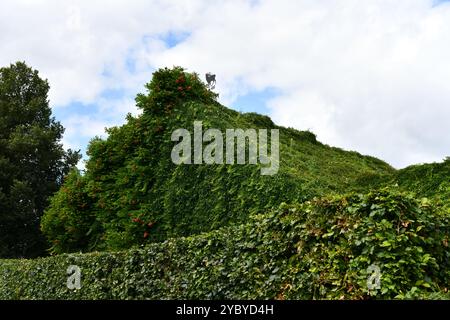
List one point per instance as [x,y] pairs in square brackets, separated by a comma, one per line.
[132,193]
[430,180]
[318,249]
[32,160]
[228,232]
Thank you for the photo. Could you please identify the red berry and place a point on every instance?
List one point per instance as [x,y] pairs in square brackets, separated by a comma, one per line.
[145,235]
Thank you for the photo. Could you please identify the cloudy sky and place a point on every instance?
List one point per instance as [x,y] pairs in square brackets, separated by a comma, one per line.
[371,76]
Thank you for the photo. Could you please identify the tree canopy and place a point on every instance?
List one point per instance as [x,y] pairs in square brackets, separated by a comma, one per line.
[33,162]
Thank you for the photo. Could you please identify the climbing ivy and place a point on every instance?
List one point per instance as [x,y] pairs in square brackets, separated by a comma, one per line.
[318,249]
[131,193]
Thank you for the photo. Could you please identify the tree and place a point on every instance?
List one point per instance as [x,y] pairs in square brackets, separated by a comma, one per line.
[33,162]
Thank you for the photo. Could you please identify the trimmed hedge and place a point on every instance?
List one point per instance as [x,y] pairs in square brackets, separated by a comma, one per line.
[315,250]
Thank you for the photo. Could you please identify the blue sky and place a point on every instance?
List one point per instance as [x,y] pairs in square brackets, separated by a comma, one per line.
[438,2]
[371,76]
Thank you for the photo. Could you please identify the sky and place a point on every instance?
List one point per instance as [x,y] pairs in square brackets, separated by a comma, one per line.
[371,76]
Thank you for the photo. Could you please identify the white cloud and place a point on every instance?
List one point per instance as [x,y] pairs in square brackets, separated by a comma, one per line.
[73,42]
[371,75]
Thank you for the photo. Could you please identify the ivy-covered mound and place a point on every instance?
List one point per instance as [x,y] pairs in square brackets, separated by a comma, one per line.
[132,193]
[318,249]
[430,180]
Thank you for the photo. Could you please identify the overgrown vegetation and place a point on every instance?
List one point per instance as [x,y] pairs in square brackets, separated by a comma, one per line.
[132,193]
[165,231]
[430,180]
[314,250]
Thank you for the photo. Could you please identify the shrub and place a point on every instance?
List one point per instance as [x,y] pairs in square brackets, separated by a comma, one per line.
[70,219]
[172,86]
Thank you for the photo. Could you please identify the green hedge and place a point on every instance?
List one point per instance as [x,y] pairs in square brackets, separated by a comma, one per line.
[315,250]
